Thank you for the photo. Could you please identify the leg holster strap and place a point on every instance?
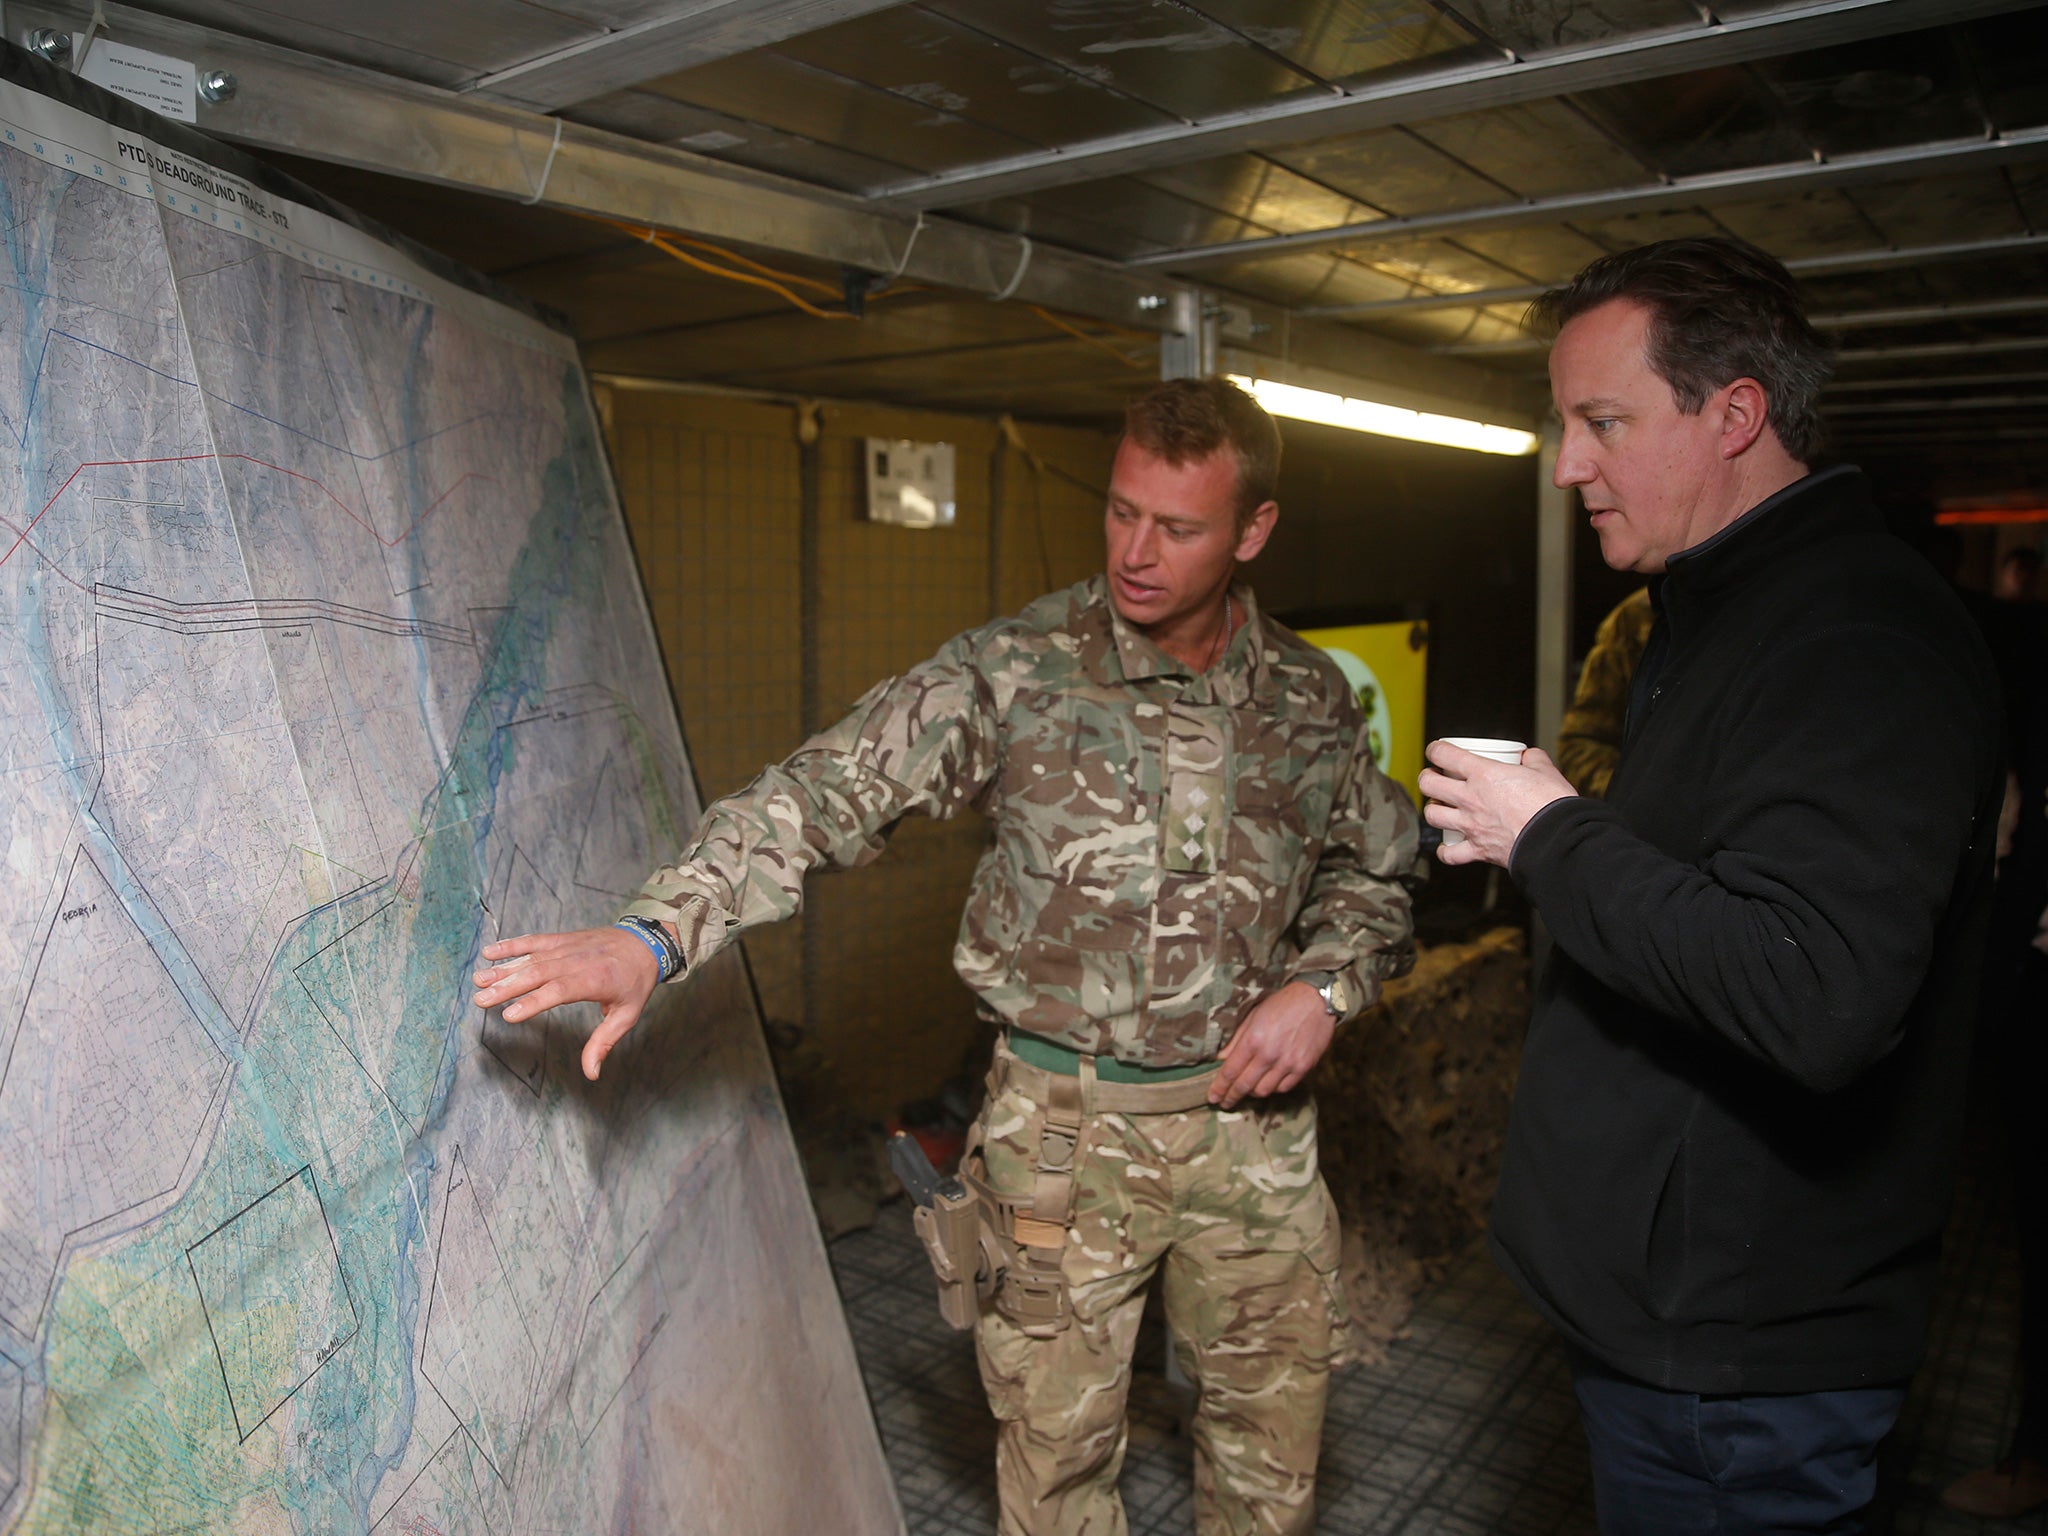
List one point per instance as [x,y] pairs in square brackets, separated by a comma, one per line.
[1032,1234]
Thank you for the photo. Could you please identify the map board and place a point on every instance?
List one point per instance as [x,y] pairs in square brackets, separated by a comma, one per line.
[323,661]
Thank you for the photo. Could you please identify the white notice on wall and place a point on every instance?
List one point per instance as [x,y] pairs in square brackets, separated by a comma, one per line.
[154,80]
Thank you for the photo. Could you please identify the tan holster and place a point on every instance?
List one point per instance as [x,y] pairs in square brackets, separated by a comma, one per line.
[965,1258]
[1027,1238]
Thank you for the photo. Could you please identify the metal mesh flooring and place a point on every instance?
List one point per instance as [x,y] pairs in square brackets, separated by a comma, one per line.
[1469,1429]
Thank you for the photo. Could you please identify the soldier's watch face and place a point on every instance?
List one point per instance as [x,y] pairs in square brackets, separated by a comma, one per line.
[1340,998]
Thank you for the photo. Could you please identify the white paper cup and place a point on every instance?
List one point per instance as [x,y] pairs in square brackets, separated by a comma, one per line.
[1494,750]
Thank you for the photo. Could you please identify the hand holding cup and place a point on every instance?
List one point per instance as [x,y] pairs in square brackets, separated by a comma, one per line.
[1482,791]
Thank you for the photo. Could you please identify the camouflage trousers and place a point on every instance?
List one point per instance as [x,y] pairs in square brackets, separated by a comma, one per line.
[1228,1208]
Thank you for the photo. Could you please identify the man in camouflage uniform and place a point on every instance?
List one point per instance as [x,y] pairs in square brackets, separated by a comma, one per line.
[1193,881]
[1589,736]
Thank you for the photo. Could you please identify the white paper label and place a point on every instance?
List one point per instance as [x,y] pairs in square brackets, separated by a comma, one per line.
[154,80]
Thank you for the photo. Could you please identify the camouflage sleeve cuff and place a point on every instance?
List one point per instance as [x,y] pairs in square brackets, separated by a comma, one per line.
[700,925]
[1363,973]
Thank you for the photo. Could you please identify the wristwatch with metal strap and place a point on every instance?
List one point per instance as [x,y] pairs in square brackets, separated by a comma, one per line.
[1333,988]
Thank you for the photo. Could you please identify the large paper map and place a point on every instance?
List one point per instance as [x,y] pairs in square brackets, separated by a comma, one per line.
[323,660]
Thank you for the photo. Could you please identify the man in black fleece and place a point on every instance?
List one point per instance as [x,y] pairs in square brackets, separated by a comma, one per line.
[1733,1138]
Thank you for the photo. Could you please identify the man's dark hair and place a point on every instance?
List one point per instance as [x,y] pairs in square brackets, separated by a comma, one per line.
[1180,420]
[1721,310]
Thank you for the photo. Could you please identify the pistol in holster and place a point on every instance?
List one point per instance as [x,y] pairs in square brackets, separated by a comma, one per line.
[990,1248]
[947,1216]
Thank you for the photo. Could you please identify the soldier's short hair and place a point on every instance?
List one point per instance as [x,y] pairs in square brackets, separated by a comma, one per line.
[1179,420]
[1720,310]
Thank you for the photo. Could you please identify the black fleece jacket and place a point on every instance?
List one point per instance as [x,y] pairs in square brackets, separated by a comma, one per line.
[1731,1150]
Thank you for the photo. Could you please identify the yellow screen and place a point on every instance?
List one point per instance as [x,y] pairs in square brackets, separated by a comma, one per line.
[1388,668]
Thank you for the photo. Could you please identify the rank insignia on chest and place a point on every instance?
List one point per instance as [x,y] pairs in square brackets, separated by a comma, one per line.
[1196,816]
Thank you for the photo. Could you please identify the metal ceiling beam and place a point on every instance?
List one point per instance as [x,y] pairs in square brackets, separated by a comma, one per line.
[323,110]
[1932,314]
[1938,381]
[295,102]
[1935,405]
[1804,266]
[1959,433]
[1441,91]
[1941,158]
[693,32]
[1851,357]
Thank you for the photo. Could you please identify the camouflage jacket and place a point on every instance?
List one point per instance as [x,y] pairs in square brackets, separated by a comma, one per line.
[1589,736]
[1169,846]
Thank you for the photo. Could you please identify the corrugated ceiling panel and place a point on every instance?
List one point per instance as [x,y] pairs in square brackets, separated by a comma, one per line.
[767,87]
[328,42]
[1875,94]
[1311,277]
[1163,54]
[1266,194]
[1530,26]
[1933,282]
[2006,53]
[610,15]
[463,37]
[1436,265]
[2030,192]
[1709,120]
[928,58]
[1925,211]
[1391,170]
[1452,327]
[1087,227]
[644,115]
[1343,39]
[1625,230]
[1537,149]
[1536,255]
[1826,221]
[1138,216]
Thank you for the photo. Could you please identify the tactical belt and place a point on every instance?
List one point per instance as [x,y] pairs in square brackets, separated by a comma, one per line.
[1163,1095]
[1066,1061]
[1029,1236]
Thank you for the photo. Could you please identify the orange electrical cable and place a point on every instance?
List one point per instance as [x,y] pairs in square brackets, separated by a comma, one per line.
[774,285]
[774,279]
[816,285]
[1094,341]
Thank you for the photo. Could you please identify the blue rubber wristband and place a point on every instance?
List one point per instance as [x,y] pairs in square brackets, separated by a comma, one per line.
[661,956]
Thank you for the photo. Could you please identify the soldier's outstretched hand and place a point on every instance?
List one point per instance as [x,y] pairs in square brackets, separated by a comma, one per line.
[539,971]
[1275,1047]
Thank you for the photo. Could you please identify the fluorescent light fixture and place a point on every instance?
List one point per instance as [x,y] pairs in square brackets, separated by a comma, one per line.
[1387,420]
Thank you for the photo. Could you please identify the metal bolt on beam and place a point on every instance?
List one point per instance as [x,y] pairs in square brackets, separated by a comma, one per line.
[49,44]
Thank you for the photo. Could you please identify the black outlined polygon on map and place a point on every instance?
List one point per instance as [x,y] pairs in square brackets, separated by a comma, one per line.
[274,1256]
[107,1082]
